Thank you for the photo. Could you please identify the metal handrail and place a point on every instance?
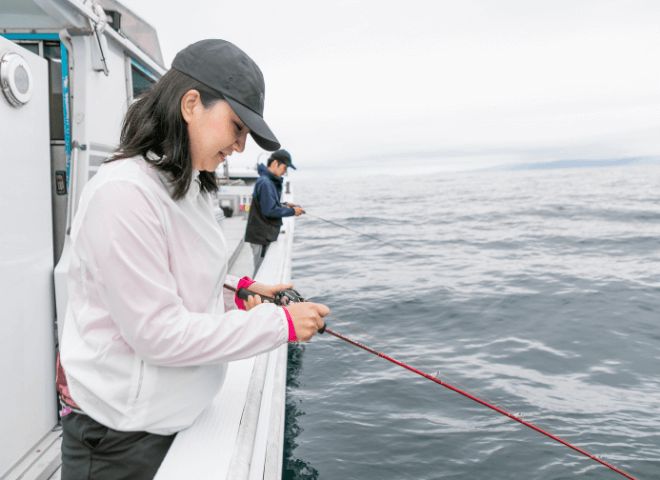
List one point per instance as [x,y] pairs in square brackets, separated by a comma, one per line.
[124,42]
[75,148]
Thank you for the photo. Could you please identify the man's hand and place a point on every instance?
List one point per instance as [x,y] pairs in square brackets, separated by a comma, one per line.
[307,318]
[298,211]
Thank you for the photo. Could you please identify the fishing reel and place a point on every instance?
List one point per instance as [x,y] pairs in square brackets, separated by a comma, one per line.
[286,297]
[282,298]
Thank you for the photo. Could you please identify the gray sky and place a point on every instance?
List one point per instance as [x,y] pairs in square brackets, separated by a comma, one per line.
[459,85]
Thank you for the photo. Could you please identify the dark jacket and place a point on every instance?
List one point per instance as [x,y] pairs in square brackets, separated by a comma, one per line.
[266,211]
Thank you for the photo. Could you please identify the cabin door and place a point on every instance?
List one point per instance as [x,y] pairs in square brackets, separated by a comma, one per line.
[27,313]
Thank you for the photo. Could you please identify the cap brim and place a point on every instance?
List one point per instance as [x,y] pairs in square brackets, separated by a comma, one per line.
[257,125]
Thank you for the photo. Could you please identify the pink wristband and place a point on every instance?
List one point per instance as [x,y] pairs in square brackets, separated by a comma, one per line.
[244,282]
[292,331]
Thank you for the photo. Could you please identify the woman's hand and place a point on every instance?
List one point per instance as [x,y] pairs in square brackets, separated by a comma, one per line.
[307,318]
[263,290]
[253,301]
[268,290]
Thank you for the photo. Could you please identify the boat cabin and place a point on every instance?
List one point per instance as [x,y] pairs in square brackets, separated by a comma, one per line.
[69,69]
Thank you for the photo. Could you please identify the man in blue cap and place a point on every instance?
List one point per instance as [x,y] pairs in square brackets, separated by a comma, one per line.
[266,211]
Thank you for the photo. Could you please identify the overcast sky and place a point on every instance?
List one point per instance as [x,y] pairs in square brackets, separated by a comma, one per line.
[459,85]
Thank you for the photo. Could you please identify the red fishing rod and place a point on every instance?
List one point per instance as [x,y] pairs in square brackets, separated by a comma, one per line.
[472,397]
[285,297]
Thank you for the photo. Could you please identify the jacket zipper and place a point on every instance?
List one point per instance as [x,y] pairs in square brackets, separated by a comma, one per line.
[139,387]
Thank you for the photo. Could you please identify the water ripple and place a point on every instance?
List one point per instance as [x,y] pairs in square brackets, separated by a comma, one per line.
[539,290]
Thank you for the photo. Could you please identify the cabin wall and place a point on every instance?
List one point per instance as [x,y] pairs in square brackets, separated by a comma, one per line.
[105,101]
[27,347]
[34,203]
[98,105]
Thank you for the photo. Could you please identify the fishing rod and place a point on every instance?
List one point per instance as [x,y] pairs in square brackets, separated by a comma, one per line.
[287,297]
[426,257]
[472,397]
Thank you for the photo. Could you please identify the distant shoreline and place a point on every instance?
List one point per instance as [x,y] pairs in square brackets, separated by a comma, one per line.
[387,167]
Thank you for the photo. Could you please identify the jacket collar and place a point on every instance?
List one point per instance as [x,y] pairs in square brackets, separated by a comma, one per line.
[263,170]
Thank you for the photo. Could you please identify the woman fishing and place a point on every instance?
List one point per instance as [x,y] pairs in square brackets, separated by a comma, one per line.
[149,327]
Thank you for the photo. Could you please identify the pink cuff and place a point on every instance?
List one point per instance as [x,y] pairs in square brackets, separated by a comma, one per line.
[244,282]
[292,331]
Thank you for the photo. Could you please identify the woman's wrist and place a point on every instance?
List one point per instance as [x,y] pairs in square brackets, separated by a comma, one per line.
[245,283]
[292,330]
[259,289]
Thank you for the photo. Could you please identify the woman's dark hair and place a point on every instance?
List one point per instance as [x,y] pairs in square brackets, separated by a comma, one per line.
[154,123]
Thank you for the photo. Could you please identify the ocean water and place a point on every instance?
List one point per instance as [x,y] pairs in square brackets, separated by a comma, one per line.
[541,292]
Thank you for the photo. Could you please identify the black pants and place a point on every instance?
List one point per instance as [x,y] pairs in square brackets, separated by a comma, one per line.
[91,451]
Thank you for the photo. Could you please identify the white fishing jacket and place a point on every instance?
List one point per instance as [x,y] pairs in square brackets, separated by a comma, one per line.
[148,331]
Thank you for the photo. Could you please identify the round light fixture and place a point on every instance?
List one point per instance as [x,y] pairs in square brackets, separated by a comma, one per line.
[16,79]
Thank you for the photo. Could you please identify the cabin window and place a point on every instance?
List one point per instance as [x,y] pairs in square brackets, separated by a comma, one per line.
[51,51]
[141,81]
[32,46]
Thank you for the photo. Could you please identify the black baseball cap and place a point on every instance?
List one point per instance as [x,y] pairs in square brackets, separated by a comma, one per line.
[282,156]
[224,67]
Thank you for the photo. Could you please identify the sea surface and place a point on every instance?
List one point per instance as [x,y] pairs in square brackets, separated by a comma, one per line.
[539,290]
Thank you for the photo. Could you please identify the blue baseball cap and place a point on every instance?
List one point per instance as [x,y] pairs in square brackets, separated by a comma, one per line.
[282,156]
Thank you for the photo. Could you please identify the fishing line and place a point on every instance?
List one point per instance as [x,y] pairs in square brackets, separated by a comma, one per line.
[373,338]
[398,247]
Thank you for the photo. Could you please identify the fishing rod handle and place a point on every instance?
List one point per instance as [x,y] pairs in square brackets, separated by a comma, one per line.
[245,294]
